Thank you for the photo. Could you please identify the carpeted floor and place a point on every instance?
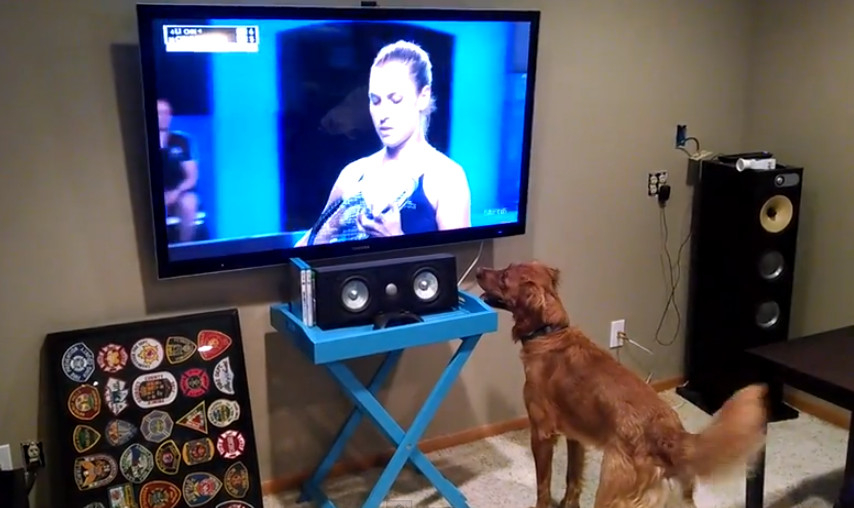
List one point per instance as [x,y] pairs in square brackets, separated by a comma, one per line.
[805,461]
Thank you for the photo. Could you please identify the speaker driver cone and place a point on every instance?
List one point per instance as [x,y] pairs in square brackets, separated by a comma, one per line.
[771,265]
[355,295]
[767,315]
[425,285]
[776,214]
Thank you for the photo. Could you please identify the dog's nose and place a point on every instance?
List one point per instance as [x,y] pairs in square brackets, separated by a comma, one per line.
[479,272]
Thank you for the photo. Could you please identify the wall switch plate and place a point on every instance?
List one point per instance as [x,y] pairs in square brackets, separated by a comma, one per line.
[654,182]
[617,327]
[5,458]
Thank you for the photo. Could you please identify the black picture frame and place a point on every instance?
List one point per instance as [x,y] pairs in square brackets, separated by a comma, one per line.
[203,368]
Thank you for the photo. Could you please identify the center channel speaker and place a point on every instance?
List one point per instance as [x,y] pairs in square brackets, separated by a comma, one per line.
[744,237]
[385,293]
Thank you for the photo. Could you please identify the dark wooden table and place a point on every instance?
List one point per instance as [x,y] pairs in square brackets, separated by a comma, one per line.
[821,365]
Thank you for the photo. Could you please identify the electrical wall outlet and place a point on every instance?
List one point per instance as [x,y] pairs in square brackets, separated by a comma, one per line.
[654,182]
[618,327]
[33,454]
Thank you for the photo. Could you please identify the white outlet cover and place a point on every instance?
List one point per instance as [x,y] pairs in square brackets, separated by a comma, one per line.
[617,327]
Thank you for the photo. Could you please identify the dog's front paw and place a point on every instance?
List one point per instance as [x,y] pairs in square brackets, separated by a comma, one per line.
[568,502]
[552,504]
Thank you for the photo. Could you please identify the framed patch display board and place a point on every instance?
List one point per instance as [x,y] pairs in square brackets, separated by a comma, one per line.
[154,414]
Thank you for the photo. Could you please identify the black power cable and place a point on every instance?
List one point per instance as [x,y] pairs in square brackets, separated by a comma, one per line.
[672,277]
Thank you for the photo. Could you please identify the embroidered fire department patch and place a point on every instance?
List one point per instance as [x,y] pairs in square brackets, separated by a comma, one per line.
[159,494]
[84,402]
[94,471]
[112,358]
[212,343]
[116,394]
[198,451]
[119,432]
[236,480]
[179,349]
[223,413]
[78,362]
[168,458]
[156,426]
[200,488]
[136,463]
[195,419]
[121,496]
[155,390]
[146,354]
[223,376]
[231,444]
[85,438]
[195,382]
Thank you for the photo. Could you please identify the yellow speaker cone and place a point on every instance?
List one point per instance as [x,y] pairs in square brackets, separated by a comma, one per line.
[776,214]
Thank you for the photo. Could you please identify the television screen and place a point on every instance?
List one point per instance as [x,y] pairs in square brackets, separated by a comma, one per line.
[278,132]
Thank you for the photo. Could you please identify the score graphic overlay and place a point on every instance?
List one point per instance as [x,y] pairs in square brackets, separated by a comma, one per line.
[210,39]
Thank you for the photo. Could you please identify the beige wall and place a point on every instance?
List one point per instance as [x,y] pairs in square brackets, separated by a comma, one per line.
[801,83]
[615,77]
[801,109]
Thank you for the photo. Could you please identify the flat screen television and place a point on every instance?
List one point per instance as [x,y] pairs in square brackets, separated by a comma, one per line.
[279,132]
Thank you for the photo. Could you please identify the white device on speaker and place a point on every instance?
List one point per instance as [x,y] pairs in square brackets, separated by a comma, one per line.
[756,164]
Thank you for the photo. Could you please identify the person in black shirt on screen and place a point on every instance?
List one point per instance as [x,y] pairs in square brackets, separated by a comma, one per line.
[180,173]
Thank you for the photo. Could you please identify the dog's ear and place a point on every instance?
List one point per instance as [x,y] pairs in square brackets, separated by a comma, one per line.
[529,297]
[528,308]
[554,274]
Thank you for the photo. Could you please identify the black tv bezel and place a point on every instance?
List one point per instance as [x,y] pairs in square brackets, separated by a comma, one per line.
[147,14]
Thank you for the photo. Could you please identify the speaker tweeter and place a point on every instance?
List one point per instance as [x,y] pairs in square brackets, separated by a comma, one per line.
[776,214]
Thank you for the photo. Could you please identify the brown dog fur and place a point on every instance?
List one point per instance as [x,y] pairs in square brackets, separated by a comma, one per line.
[576,389]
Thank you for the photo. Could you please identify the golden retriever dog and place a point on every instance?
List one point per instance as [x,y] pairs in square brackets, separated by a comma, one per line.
[578,390]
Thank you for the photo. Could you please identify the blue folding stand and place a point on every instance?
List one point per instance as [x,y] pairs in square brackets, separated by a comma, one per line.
[332,348]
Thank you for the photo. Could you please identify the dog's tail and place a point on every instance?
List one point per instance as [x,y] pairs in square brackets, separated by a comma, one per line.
[735,436]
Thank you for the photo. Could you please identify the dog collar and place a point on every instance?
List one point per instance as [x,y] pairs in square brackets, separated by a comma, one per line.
[543,330]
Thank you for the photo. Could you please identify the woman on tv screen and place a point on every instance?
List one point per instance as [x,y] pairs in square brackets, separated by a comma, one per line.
[408,186]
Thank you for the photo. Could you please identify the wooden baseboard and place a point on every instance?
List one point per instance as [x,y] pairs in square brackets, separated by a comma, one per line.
[831,414]
[358,465]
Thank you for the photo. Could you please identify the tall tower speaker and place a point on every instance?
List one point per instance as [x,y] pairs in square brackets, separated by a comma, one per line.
[744,238]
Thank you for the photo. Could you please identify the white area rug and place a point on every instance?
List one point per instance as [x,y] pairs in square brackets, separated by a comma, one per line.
[804,470]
